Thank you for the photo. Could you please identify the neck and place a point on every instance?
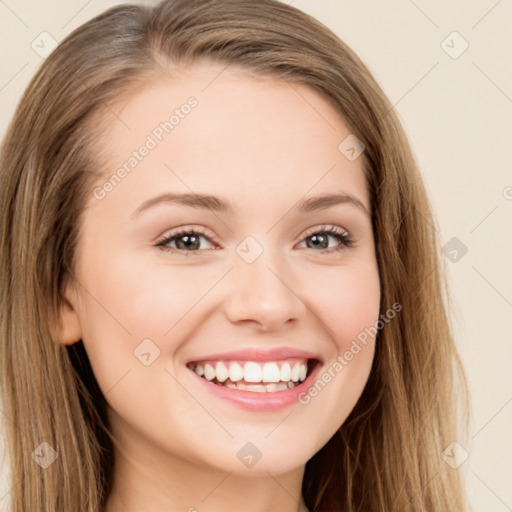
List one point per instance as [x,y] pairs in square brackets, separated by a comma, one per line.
[148,478]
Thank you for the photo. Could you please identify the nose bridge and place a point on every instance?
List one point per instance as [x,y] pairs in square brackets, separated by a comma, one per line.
[263,286]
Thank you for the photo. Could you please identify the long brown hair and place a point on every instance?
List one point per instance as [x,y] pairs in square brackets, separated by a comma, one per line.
[387,455]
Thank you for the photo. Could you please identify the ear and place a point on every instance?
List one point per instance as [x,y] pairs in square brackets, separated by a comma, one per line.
[67,326]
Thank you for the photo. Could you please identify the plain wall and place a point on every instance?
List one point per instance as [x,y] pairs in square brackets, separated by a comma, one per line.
[457,112]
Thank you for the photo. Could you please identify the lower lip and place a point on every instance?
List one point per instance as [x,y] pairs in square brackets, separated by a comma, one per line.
[254,401]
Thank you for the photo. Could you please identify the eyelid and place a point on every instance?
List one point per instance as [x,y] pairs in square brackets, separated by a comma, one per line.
[322,228]
[200,230]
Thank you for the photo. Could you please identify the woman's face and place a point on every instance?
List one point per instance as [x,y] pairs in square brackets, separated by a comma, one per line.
[254,290]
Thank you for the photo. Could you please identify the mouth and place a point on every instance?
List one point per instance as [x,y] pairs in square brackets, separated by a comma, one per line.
[256,376]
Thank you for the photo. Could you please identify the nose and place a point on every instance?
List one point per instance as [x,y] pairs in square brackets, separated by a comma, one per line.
[263,293]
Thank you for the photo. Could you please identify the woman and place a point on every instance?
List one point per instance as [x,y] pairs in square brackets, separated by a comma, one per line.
[257,372]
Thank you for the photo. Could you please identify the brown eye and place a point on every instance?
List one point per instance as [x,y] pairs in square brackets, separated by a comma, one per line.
[188,241]
[320,239]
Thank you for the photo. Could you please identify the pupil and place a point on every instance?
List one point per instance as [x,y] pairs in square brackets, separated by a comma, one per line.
[323,243]
[189,241]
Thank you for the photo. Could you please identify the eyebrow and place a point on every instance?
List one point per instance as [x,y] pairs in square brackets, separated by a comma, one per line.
[216,204]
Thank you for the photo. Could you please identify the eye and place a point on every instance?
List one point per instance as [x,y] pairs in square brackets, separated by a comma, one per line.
[188,240]
[185,240]
[319,238]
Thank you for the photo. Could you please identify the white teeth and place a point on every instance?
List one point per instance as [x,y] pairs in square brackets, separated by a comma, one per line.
[236,372]
[272,376]
[271,373]
[221,372]
[295,372]
[286,372]
[257,388]
[209,372]
[252,372]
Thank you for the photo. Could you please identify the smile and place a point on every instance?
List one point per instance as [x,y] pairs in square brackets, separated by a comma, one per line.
[257,377]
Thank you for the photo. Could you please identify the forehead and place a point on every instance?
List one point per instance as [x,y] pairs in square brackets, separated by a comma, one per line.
[221,130]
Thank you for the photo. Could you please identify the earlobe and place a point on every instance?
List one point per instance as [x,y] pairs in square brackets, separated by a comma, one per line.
[68,329]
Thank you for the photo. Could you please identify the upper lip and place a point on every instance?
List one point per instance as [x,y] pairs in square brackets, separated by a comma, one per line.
[258,354]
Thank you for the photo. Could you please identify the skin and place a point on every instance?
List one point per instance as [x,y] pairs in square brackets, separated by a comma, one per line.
[262,144]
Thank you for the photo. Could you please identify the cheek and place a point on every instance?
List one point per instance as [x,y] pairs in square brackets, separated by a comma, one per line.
[346,301]
[348,307]
[146,299]
[134,302]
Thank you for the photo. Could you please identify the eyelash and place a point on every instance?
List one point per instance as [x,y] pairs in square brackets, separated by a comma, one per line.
[345,239]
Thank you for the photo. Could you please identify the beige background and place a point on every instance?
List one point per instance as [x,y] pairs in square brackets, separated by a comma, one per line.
[458,115]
